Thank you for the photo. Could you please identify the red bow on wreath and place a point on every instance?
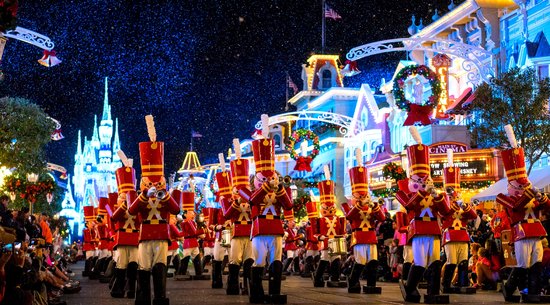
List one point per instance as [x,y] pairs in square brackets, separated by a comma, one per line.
[303,164]
[419,114]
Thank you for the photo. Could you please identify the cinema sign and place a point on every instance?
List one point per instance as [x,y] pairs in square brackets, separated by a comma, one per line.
[442,147]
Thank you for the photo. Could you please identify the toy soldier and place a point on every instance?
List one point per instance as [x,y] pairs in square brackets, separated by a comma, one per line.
[104,239]
[312,243]
[214,222]
[237,210]
[88,245]
[154,205]
[267,233]
[291,247]
[455,236]
[363,215]
[331,231]
[424,230]
[523,204]
[127,233]
[191,234]
[402,220]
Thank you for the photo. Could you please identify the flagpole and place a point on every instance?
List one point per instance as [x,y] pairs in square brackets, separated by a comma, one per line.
[286,90]
[323,8]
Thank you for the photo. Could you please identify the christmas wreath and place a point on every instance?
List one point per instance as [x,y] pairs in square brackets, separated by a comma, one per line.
[303,163]
[393,171]
[416,113]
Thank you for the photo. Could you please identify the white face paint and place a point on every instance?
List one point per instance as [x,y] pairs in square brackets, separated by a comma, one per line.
[260,178]
[516,189]
[417,183]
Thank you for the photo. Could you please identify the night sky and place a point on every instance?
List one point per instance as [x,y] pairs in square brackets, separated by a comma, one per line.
[209,66]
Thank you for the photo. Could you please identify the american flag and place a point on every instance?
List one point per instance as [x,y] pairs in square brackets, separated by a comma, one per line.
[330,13]
[292,85]
[195,134]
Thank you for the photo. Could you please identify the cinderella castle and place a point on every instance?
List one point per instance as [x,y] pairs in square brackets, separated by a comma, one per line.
[96,159]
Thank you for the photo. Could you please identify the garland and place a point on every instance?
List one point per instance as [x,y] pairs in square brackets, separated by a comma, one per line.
[393,171]
[416,112]
[303,163]
[26,190]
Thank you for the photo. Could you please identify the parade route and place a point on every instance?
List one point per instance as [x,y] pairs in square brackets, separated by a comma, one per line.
[299,291]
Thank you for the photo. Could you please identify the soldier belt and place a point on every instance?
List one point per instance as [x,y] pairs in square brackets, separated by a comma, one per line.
[268,216]
[243,222]
[154,221]
[527,221]
[128,230]
[426,218]
[363,229]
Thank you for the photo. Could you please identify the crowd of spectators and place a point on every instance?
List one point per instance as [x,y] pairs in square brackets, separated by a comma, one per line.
[33,262]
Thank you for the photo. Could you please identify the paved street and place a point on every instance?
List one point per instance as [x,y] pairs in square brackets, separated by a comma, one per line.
[299,291]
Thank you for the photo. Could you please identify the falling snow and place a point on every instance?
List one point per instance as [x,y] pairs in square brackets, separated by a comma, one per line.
[210,66]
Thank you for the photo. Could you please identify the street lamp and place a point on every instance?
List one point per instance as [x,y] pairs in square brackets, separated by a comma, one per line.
[294,191]
[32,178]
[389,199]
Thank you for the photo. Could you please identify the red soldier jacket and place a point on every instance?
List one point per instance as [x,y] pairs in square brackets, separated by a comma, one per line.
[104,236]
[290,241]
[363,223]
[241,219]
[455,222]
[88,244]
[424,207]
[330,227]
[523,213]
[312,243]
[266,208]
[209,238]
[190,234]
[154,215]
[175,233]
[126,226]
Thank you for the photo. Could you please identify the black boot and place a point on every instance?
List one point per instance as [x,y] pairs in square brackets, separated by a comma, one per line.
[108,270]
[225,262]
[335,275]
[308,267]
[515,279]
[131,279]
[409,289]
[372,275]
[288,261]
[433,277]
[120,281]
[296,265]
[462,274]
[198,269]
[205,261]
[318,276]
[447,278]
[87,266]
[255,288]
[232,279]
[217,281]
[143,293]
[534,286]
[275,274]
[354,286]
[159,284]
[406,269]
[175,265]
[94,275]
[181,274]
[247,267]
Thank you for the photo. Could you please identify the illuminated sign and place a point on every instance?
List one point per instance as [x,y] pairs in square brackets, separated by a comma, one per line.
[442,147]
[473,167]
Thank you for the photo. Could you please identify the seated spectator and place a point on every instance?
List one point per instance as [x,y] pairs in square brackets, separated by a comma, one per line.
[487,269]
[472,262]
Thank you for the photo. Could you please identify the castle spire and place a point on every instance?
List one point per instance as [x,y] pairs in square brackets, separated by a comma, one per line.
[95,137]
[79,147]
[106,108]
[116,143]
